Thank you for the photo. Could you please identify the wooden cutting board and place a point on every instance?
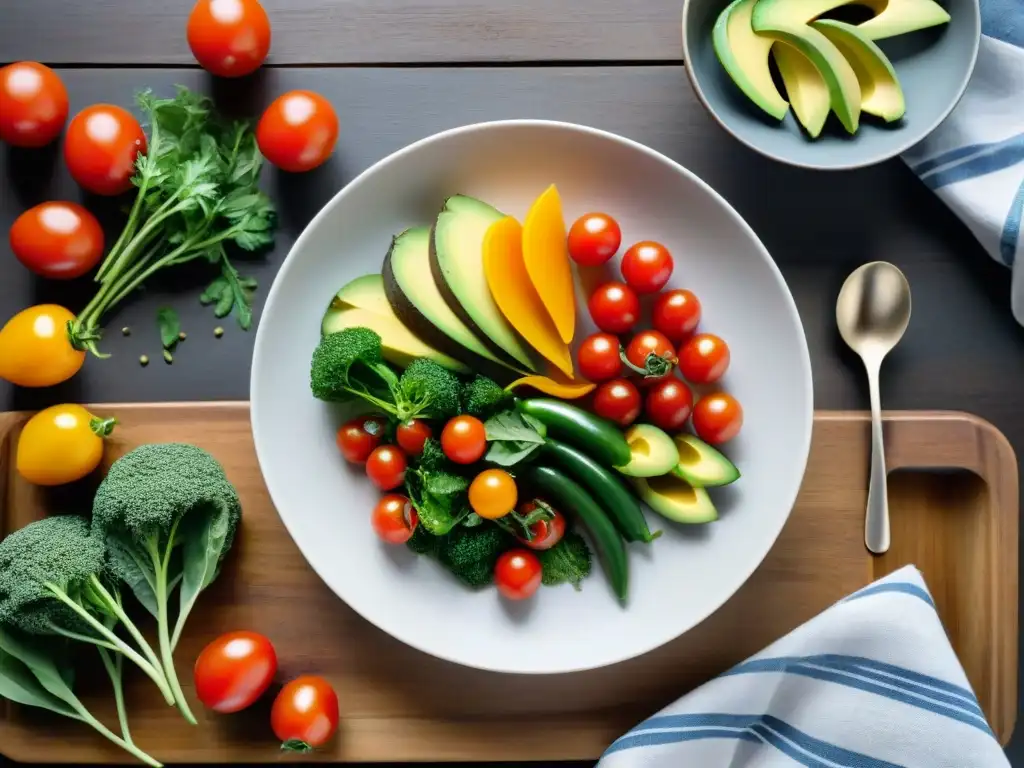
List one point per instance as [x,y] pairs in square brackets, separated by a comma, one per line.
[959,526]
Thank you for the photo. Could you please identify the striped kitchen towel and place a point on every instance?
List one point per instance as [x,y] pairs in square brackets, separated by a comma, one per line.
[975,160]
[872,682]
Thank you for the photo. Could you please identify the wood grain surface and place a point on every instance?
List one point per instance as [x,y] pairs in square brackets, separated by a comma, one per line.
[959,528]
[962,350]
[354,31]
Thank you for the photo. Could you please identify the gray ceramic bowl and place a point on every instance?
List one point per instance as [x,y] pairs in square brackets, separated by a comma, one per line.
[933,67]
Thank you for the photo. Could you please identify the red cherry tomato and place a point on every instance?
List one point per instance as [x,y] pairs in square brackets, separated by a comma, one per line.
[234,670]
[668,404]
[33,104]
[647,266]
[297,131]
[676,314]
[614,307]
[305,714]
[357,438]
[618,400]
[386,467]
[717,418]
[57,240]
[229,38]
[464,439]
[593,239]
[517,574]
[599,357]
[639,352]
[704,358]
[394,519]
[546,533]
[100,148]
[411,436]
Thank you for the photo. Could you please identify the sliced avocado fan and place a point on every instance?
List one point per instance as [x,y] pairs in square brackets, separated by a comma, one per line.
[881,94]
[897,17]
[776,19]
[805,88]
[744,56]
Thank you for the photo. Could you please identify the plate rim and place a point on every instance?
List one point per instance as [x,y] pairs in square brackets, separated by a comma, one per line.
[407,637]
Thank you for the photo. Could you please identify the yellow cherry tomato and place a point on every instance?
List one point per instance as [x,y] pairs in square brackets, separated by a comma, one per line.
[61,444]
[34,347]
[493,494]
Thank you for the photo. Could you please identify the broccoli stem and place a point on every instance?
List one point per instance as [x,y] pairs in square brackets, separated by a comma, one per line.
[160,567]
[114,672]
[154,673]
[86,717]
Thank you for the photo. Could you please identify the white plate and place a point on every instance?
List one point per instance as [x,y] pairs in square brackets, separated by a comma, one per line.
[680,579]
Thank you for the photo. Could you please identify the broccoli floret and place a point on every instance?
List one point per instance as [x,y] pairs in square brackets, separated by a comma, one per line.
[350,365]
[471,553]
[569,561]
[433,459]
[54,582]
[154,501]
[423,542]
[483,398]
[429,390]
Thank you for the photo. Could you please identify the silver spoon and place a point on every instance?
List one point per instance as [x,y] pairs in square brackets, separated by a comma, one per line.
[872,313]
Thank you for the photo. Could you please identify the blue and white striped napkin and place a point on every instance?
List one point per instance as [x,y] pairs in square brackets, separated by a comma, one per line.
[872,682]
[975,160]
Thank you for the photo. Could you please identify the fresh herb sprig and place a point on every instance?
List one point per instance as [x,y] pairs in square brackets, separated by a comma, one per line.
[197,194]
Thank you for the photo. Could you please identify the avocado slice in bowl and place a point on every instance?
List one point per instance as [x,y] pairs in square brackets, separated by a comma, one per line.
[744,55]
[702,465]
[652,452]
[675,499]
[805,87]
[881,94]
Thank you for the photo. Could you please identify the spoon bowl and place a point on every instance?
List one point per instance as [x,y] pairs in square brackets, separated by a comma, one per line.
[872,312]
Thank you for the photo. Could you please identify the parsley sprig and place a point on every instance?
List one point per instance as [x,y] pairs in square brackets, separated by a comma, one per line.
[197,195]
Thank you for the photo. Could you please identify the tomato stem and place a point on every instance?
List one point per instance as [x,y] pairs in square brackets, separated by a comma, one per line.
[296,745]
[102,427]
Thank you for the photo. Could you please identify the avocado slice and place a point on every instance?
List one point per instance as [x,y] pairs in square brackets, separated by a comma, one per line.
[805,88]
[701,465]
[674,498]
[881,94]
[457,263]
[366,292]
[787,21]
[400,346]
[652,452]
[744,55]
[417,302]
[896,17]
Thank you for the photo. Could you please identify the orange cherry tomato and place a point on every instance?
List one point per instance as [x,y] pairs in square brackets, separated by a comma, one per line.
[394,519]
[517,574]
[229,38]
[464,439]
[298,131]
[717,418]
[305,714]
[35,350]
[493,494]
[234,670]
[33,104]
[57,240]
[61,444]
[704,358]
[101,146]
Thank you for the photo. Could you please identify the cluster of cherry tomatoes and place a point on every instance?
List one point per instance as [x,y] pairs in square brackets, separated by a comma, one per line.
[229,38]
[492,493]
[234,671]
[648,360]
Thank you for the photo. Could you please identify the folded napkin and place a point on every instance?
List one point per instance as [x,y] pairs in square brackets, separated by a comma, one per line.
[974,161]
[870,683]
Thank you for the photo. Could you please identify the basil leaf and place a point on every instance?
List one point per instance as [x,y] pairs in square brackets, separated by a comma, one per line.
[511,425]
[170,326]
[508,453]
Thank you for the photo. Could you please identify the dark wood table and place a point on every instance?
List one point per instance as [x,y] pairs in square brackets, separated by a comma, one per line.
[399,70]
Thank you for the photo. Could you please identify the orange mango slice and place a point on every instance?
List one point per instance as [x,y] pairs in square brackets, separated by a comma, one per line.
[546,255]
[513,292]
[563,390]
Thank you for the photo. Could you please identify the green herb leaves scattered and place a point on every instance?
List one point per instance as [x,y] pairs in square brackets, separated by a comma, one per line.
[439,499]
[568,562]
[513,437]
[170,326]
[197,195]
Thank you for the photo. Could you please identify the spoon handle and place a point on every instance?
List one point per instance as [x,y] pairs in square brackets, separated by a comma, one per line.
[876,522]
